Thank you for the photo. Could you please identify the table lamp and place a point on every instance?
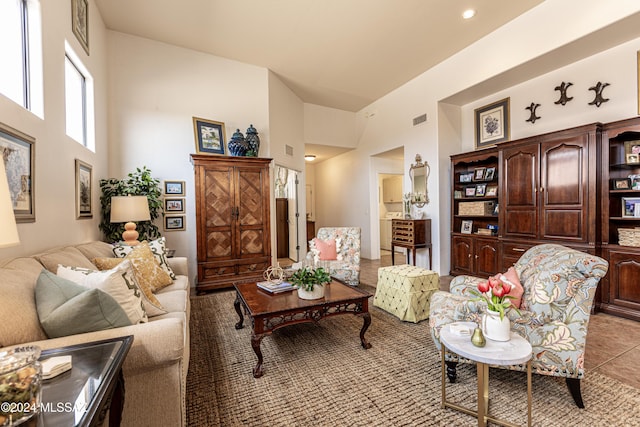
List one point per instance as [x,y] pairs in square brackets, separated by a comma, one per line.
[9,230]
[128,209]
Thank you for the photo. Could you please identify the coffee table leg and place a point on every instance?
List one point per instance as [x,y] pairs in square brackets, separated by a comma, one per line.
[236,305]
[255,343]
[483,393]
[367,321]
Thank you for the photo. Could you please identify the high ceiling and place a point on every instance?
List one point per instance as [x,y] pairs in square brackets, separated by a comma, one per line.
[342,54]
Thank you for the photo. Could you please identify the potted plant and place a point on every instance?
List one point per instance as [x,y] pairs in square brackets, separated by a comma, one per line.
[310,282]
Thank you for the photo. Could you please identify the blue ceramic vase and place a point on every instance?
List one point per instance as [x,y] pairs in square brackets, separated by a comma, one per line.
[253,142]
[237,145]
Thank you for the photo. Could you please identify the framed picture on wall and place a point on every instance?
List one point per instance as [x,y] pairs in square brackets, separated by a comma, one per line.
[18,152]
[174,223]
[174,188]
[492,124]
[80,22]
[174,205]
[209,135]
[84,208]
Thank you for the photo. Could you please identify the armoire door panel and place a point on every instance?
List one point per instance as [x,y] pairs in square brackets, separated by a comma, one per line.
[563,224]
[251,242]
[563,176]
[250,197]
[219,244]
[522,223]
[520,172]
[218,197]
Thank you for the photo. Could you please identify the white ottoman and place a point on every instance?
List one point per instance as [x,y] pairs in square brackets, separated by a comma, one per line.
[405,291]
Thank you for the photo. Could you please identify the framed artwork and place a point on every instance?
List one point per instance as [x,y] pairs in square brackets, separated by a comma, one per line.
[174,205]
[174,188]
[490,174]
[466,227]
[632,147]
[470,191]
[174,223]
[84,208]
[492,191]
[457,194]
[621,184]
[209,135]
[480,190]
[80,22]
[478,174]
[466,176]
[633,158]
[634,182]
[18,152]
[492,123]
[631,207]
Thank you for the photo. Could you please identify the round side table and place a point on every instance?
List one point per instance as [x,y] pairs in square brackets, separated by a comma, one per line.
[513,352]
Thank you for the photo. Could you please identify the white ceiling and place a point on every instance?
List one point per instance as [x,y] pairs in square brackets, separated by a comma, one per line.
[342,54]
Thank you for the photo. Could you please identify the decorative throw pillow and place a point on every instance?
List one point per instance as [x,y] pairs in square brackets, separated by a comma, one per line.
[118,282]
[325,250]
[511,277]
[149,275]
[66,308]
[158,249]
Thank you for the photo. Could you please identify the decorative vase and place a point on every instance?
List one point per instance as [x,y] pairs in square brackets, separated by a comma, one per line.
[494,328]
[253,142]
[477,338]
[237,145]
[316,293]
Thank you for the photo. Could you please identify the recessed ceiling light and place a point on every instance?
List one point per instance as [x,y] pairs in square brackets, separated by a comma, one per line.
[309,157]
[468,14]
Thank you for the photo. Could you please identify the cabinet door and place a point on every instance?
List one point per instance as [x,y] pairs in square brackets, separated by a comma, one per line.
[252,213]
[392,189]
[520,195]
[564,189]
[461,255]
[486,257]
[624,288]
[215,205]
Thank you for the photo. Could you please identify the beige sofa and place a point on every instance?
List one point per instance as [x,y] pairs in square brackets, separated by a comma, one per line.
[155,370]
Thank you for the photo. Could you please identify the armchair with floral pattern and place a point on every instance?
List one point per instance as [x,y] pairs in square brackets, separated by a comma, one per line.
[346,266]
[559,288]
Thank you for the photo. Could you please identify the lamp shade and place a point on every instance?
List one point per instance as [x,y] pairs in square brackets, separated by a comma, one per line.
[129,209]
[8,229]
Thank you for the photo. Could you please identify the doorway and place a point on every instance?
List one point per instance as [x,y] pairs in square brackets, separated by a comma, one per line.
[287,215]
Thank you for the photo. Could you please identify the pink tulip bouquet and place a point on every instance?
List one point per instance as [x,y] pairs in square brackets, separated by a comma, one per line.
[495,293]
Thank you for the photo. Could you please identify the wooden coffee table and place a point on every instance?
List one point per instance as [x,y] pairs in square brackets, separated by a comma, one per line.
[269,312]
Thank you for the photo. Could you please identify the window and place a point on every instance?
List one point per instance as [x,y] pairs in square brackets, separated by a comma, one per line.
[21,53]
[78,90]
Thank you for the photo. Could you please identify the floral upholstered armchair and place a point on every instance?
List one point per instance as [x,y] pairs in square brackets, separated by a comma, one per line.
[337,249]
[559,286]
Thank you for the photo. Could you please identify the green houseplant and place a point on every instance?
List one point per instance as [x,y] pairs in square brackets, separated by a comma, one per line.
[138,183]
[310,282]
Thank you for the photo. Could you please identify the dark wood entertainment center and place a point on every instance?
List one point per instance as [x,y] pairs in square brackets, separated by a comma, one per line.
[551,188]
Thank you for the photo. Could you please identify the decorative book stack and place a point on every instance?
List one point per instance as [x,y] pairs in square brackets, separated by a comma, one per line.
[275,288]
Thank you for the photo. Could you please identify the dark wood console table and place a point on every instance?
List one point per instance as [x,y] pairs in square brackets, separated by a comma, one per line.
[411,234]
[270,312]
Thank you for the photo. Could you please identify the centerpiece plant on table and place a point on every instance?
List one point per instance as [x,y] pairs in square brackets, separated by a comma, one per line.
[310,281]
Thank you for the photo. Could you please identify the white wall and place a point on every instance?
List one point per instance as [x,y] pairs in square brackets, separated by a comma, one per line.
[54,175]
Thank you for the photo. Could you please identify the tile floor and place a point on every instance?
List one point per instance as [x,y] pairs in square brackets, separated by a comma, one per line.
[613,343]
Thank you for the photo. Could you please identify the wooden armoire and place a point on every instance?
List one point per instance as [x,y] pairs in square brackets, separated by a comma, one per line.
[232,219]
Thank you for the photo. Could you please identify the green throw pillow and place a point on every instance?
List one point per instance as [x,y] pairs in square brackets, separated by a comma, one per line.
[66,308]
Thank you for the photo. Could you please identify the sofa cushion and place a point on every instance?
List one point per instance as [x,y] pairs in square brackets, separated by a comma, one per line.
[66,308]
[18,309]
[96,249]
[65,256]
[118,282]
[180,284]
[157,247]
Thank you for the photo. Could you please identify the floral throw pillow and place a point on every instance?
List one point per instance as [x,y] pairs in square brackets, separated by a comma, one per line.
[158,249]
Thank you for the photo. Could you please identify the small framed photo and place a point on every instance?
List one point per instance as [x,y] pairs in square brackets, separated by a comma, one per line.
[84,207]
[490,174]
[174,188]
[466,227]
[492,123]
[466,176]
[478,174]
[631,207]
[174,205]
[633,158]
[80,22]
[635,182]
[496,209]
[457,194]
[492,191]
[470,191]
[632,147]
[174,223]
[209,135]
[621,184]
[481,190]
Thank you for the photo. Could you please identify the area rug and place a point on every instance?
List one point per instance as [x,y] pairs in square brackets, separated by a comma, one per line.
[319,375]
